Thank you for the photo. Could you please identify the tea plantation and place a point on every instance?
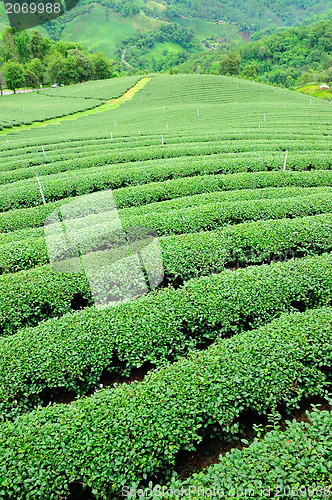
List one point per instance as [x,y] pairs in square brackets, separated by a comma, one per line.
[235,179]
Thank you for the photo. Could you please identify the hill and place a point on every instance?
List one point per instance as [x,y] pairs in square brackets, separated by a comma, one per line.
[289,57]
[105,25]
[165,289]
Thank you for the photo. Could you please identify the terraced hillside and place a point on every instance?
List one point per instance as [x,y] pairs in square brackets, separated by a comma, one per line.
[46,104]
[235,179]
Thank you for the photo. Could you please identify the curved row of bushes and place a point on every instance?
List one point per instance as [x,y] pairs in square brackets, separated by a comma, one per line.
[58,145]
[218,163]
[149,192]
[144,149]
[214,215]
[123,197]
[130,434]
[31,295]
[290,463]
[191,255]
[71,352]
[56,108]
[24,193]
[28,297]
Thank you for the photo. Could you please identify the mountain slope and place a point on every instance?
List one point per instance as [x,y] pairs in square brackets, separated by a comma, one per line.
[107,24]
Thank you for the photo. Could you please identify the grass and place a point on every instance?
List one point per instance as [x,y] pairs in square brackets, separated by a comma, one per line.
[101,29]
[160,48]
[207,29]
[314,91]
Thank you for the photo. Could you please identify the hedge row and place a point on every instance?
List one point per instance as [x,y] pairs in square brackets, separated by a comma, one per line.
[37,112]
[191,255]
[232,163]
[214,215]
[25,193]
[196,254]
[28,297]
[129,434]
[101,140]
[71,352]
[159,191]
[292,463]
[30,237]
[116,152]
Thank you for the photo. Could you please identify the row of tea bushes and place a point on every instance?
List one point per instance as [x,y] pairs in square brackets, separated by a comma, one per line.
[28,297]
[191,255]
[127,435]
[138,195]
[214,215]
[25,193]
[295,462]
[71,352]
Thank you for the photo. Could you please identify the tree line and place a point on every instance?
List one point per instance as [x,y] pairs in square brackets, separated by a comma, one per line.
[289,57]
[27,59]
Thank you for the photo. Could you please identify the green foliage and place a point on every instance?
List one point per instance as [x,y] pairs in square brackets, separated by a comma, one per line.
[138,429]
[31,79]
[45,61]
[287,57]
[168,190]
[157,327]
[295,460]
[187,153]
[102,67]
[30,297]
[2,82]
[85,68]
[230,64]
[250,71]
[60,186]
[244,11]
[37,68]
[14,75]
[139,46]
[184,256]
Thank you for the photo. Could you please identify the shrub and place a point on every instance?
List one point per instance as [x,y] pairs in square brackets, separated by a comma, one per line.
[129,434]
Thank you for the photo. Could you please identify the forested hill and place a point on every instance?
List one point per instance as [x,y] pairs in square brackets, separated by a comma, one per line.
[253,13]
[283,56]
[106,25]
[293,56]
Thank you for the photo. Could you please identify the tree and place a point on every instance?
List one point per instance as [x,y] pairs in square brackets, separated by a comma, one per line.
[304,79]
[289,82]
[84,65]
[38,45]
[22,39]
[2,82]
[230,64]
[14,75]
[250,71]
[9,47]
[36,67]
[31,79]
[102,67]
[262,52]
[69,73]
[54,68]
